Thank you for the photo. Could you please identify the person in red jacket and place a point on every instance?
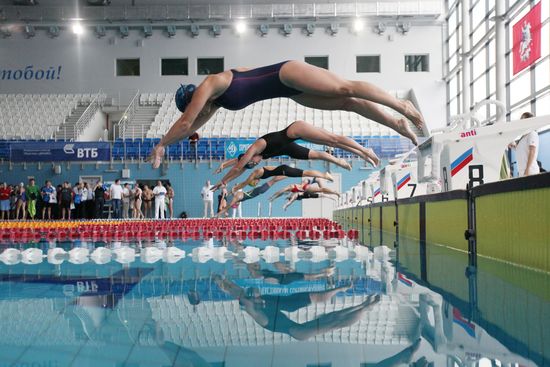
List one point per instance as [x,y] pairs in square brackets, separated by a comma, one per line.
[5,193]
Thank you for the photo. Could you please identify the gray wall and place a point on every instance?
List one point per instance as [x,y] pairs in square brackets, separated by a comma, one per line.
[88,63]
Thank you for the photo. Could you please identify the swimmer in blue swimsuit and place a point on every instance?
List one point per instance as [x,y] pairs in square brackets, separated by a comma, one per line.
[267,311]
[306,84]
[240,196]
[283,143]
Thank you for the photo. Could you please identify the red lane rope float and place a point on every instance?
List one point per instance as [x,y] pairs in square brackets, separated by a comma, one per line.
[127,230]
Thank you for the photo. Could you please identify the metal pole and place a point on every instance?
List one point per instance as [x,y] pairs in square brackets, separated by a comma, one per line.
[466,102]
[500,43]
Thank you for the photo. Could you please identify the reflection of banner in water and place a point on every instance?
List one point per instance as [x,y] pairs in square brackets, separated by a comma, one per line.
[300,286]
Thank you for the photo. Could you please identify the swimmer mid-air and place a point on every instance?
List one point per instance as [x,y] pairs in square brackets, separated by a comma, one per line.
[283,170]
[296,196]
[306,84]
[283,143]
[240,196]
[311,186]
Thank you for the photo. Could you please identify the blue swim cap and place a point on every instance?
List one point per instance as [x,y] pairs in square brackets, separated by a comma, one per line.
[184,95]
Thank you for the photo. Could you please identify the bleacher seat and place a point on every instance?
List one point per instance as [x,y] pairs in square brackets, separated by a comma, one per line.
[36,116]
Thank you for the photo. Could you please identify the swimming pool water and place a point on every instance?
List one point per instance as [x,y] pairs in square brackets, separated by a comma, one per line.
[266,303]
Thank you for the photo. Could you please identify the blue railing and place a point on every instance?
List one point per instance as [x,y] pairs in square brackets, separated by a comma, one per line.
[214,148]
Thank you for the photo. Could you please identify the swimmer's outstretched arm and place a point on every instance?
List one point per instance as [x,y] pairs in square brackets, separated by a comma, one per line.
[237,197]
[291,200]
[238,168]
[253,177]
[281,192]
[191,120]
[226,164]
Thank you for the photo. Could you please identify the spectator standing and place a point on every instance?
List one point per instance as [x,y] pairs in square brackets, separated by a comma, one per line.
[5,193]
[126,201]
[66,200]
[527,150]
[237,209]
[99,199]
[208,199]
[77,200]
[49,198]
[14,192]
[138,214]
[32,196]
[170,199]
[160,195]
[147,201]
[84,201]
[21,205]
[90,206]
[115,192]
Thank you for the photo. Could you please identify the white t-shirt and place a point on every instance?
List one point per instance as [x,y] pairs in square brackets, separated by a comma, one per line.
[126,194]
[522,153]
[159,192]
[207,194]
[116,191]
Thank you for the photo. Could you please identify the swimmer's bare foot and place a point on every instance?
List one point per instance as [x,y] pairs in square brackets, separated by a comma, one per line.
[404,129]
[344,164]
[412,114]
[156,156]
[329,177]
[371,157]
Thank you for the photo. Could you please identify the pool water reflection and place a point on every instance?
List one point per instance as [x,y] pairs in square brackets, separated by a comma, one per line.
[230,303]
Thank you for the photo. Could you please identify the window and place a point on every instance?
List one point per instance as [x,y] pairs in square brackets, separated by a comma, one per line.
[127,67]
[320,61]
[416,63]
[206,66]
[174,67]
[520,87]
[368,64]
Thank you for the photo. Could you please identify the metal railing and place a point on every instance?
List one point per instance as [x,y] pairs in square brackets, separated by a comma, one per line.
[128,115]
[196,12]
[88,114]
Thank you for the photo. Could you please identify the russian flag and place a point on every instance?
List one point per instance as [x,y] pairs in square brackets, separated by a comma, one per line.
[377,192]
[462,161]
[404,280]
[466,325]
[403,181]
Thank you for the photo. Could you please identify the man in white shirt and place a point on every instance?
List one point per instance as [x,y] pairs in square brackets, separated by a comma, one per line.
[115,193]
[160,205]
[208,199]
[237,208]
[527,150]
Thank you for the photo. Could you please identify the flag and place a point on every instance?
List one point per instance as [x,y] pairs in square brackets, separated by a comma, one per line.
[526,39]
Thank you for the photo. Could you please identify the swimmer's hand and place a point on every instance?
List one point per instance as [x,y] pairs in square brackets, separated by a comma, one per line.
[156,156]
[217,186]
[218,170]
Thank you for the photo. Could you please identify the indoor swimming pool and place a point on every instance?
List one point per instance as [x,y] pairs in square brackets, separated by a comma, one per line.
[266,303]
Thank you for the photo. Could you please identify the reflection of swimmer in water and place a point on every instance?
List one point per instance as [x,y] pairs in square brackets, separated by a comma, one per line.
[285,274]
[267,310]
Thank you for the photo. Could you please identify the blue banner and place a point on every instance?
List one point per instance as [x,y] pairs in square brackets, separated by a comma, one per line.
[234,147]
[59,151]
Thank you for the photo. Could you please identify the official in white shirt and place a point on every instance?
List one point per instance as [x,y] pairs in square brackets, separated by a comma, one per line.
[208,199]
[160,205]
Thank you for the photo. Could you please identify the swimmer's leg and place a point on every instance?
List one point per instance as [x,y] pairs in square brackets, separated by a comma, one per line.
[324,156]
[313,80]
